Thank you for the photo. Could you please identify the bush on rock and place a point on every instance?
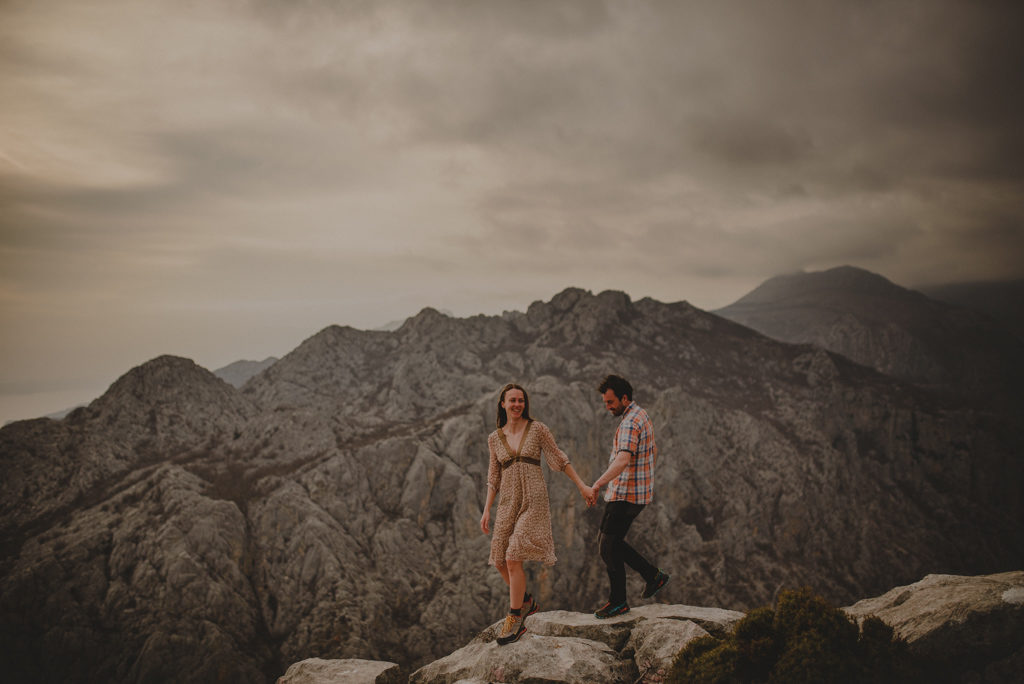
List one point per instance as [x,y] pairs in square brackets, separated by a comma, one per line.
[804,639]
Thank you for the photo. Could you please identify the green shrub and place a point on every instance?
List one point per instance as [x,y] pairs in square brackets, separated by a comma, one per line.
[804,639]
[708,661]
[756,639]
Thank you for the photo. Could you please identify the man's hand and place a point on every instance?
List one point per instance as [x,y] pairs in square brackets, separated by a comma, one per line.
[589,495]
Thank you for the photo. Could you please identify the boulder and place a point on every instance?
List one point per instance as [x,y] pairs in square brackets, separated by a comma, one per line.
[534,658]
[350,671]
[656,643]
[962,624]
[564,646]
[615,632]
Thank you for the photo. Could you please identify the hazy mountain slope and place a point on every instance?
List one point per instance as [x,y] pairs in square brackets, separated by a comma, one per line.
[331,508]
[897,331]
[1003,301]
[239,372]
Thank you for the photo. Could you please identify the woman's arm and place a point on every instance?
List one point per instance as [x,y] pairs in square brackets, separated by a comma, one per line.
[558,460]
[493,484]
[585,491]
[485,519]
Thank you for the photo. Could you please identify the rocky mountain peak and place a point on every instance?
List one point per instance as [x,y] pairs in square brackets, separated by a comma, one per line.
[162,407]
[162,374]
[576,317]
[168,381]
[566,299]
[581,302]
[425,319]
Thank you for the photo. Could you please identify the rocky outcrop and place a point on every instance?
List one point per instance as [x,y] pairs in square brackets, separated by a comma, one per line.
[970,626]
[964,629]
[330,508]
[574,647]
[349,671]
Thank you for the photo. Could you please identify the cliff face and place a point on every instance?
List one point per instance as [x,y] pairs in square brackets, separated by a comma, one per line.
[330,507]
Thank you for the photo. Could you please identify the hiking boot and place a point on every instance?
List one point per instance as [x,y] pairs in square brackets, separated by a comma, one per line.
[608,610]
[654,585]
[512,629]
[530,606]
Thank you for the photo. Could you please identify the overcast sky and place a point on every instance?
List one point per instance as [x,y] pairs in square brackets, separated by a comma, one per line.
[221,179]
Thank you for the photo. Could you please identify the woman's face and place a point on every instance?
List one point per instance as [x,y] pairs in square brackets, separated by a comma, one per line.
[515,403]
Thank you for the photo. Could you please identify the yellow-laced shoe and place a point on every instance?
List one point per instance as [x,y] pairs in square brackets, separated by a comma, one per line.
[511,630]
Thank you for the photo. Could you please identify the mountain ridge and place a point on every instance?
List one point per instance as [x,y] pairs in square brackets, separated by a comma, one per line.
[898,331]
[330,506]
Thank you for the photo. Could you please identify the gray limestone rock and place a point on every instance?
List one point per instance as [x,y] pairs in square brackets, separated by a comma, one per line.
[655,644]
[533,658]
[963,624]
[349,671]
[642,642]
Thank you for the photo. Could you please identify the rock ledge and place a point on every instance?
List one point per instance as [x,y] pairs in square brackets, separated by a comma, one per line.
[974,626]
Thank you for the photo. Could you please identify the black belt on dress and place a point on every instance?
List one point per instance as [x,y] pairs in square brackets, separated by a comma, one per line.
[520,459]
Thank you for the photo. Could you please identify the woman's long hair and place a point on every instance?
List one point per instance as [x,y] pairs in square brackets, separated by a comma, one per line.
[502,415]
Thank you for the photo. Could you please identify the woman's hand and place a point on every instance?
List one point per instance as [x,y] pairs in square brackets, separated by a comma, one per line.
[589,495]
[485,521]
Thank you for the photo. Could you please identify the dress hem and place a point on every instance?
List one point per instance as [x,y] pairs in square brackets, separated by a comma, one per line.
[545,561]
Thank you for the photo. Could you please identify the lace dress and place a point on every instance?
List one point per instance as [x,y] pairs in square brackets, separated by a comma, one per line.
[522,526]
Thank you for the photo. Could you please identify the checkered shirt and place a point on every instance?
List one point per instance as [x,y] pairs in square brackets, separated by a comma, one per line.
[635,434]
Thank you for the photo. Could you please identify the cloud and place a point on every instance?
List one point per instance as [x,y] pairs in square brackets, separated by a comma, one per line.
[210,167]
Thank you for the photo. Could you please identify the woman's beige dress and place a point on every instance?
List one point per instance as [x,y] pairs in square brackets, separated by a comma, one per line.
[522,527]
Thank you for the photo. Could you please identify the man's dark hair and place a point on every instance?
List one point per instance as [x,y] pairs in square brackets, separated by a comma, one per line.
[617,384]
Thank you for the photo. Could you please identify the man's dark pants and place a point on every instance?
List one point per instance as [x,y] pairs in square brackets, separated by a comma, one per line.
[616,553]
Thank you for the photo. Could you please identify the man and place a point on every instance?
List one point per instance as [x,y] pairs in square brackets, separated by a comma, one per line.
[630,480]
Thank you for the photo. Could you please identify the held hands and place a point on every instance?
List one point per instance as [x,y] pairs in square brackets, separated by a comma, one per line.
[589,495]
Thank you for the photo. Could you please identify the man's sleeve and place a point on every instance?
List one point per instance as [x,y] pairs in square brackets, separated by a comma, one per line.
[627,438]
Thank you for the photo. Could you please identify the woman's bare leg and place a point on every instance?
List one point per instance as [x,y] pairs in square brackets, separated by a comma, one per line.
[503,569]
[516,583]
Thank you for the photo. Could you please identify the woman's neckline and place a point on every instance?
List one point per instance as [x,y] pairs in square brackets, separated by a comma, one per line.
[505,436]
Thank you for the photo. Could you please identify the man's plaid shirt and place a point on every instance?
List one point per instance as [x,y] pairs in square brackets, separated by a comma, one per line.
[635,434]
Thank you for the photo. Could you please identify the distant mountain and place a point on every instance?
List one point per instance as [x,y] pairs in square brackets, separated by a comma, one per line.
[180,529]
[1003,301]
[395,325]
[60,415]
[56,415]
[897,331]
[240,372]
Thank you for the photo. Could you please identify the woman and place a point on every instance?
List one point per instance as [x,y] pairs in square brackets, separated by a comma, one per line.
[522,526]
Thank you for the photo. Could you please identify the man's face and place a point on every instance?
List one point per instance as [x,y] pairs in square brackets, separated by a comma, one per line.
[614,404]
